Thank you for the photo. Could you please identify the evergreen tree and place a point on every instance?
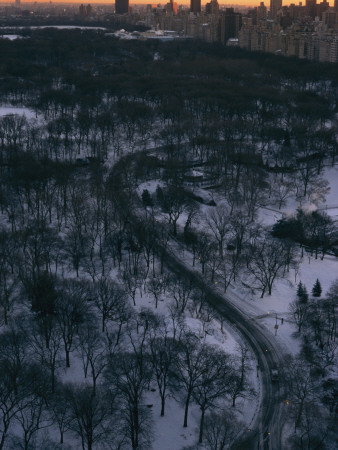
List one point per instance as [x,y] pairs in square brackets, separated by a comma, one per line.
[146,198]
[317,289]
[302,293]
[159,195]
[300,289]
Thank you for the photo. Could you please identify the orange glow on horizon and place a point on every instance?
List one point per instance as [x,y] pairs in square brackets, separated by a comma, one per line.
[241,3]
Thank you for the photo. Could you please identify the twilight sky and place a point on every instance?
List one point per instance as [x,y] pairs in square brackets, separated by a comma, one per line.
[180,2]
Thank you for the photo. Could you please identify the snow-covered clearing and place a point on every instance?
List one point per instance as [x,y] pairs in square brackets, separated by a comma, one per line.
[169,434]
[21,111]
[11,37]
[265,310]
[58,27]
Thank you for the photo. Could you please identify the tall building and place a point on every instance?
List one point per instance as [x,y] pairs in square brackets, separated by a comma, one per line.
[275,6]
[171,7]
[17,3]
[311,6]
[212,7]
[262,12]
[336,5]
[321,8]
[330,18]
[121,6]
[230,24]
[82,10]
[195,6]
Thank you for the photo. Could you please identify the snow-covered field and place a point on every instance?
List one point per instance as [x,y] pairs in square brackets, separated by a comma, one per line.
[59,27]
[265,310]
[310,269]
[21,111]
[11,37]
[169,433]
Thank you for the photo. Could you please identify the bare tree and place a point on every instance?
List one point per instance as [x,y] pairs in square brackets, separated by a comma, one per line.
[240,227]
[299,312]
[60,411]
[177,321]
[330,309]
[213,383]
[41,291]
[13,354]
[301,386]
[76,244]
[92,351]
[48,357]
[218,221]
[204,248]
[109,299]
[71,310]
[131,283]
[173,203]
[283,188]
[181,291]
[221,429]
[190,364]
[32,412]
[239,384]
[157,286]
[228,269]
[312,432]
[91,416]
[8,279]
[163,351]
[12,360]
[268,262]
[130,378]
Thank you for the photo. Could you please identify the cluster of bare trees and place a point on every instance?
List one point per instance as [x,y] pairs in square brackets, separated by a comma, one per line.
[316,320]
[73,263]
[311,404]
[66,222]
[243,140]
[140,353]
[310,378]
[233,244]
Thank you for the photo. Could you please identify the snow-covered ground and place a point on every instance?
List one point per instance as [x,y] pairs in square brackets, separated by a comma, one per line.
[331,204]
[11,37]
[21,111]
[59,27]
[269,311]
[264,311]
[169,433]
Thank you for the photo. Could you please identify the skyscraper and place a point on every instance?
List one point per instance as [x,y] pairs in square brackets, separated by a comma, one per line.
[195,6]
[261,12]
[121,6]
[230,25]
[212,7]
[275,6]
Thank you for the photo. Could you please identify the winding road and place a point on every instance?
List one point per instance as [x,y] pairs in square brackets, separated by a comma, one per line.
[266,429]
[265,432]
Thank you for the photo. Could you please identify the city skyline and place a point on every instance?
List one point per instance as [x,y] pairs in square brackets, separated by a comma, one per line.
[242,3]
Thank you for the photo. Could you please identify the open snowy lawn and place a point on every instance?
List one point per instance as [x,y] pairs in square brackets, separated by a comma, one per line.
[264,310]
[59,27]
[11,37]
[169,433]
[21,111]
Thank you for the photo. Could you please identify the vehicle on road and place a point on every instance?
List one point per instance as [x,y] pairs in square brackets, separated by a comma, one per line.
[274,375]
